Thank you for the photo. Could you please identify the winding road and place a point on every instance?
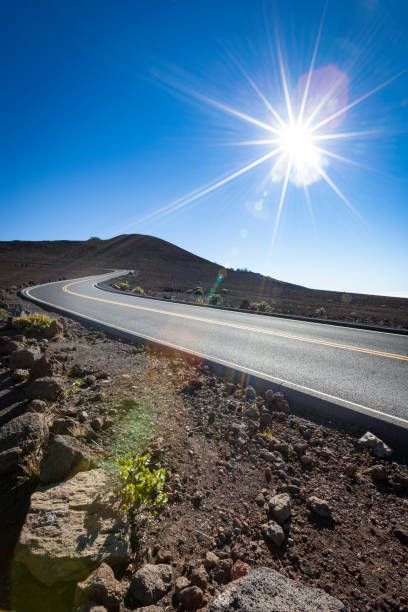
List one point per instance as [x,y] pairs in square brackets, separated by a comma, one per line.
[357,367]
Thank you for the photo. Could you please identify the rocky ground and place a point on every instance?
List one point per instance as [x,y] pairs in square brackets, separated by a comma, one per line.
[263,505]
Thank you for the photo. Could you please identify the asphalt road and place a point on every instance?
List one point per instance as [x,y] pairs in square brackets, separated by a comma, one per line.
[359,367]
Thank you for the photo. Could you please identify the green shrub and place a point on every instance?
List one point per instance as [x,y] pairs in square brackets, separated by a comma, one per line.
[138,290]
[263,307]
[189,291]
[138,485]
[124,286]
[215,299]
[224,291]
[198,291]
[3,314]
[33,325]
[321,311]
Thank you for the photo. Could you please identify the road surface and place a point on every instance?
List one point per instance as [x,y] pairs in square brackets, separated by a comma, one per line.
[360,367]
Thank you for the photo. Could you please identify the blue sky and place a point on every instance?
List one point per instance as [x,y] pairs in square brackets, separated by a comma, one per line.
[104,122]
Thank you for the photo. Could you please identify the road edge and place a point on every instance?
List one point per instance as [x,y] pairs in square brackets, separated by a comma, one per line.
[309,405]
[376,328]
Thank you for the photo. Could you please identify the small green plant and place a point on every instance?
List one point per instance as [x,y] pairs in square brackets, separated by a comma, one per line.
[139,485]
[33,325]
[198,291]
[124,286]
[321,311]
[3,314]
[263,307]
[215,299]
[78,431]
[138,290]
[189,291]
[224,290]
[77,384]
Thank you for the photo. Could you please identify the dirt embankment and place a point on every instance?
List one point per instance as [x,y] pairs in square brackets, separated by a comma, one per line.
[227,453]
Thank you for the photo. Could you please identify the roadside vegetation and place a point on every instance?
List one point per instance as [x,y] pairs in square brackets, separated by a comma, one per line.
[33,324]
[139,486]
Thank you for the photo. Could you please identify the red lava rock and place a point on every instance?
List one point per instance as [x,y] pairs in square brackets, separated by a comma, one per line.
[238,570]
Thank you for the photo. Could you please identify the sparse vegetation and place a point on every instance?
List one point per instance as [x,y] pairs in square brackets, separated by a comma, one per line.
[3,314]
[124,286]
[244,305]
[33,325]
[215,299]
[139,485]
[224,291]
[138,290]
[321,311]
[198,291]
[189,291]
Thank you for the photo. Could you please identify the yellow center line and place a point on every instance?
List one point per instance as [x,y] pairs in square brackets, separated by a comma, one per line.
[234,325]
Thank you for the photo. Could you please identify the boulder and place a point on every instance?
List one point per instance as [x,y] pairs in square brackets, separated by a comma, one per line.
[273,533]
[9,460]
[26,432]
[65,457]
[192,597]
[279,507]
[10,346]
[45,389]
[151,582]
[100,587]
[222,571]
[7,345]
[319,506]
[378,446]
[71,528]
[210,560]
[37,406]
[45,366]
[19,375]
[266,590]
[64,425]
[238,570]
[23,358]
[199,577]
[55,329]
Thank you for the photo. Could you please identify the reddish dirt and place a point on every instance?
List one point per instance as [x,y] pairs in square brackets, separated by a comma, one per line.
[214,483]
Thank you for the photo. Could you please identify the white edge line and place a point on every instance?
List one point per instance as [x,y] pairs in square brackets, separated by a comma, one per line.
[239,312]
[313,392]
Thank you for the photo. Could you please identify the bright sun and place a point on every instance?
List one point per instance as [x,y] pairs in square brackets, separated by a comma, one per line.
[297,141]
[297,134]
[299,153]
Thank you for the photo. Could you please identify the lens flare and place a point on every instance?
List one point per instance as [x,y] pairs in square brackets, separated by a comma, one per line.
[312,114]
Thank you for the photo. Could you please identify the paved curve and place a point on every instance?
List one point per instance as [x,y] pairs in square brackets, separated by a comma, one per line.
[360,367]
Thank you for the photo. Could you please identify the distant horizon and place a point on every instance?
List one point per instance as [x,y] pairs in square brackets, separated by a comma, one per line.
[262,134]
[403,294]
